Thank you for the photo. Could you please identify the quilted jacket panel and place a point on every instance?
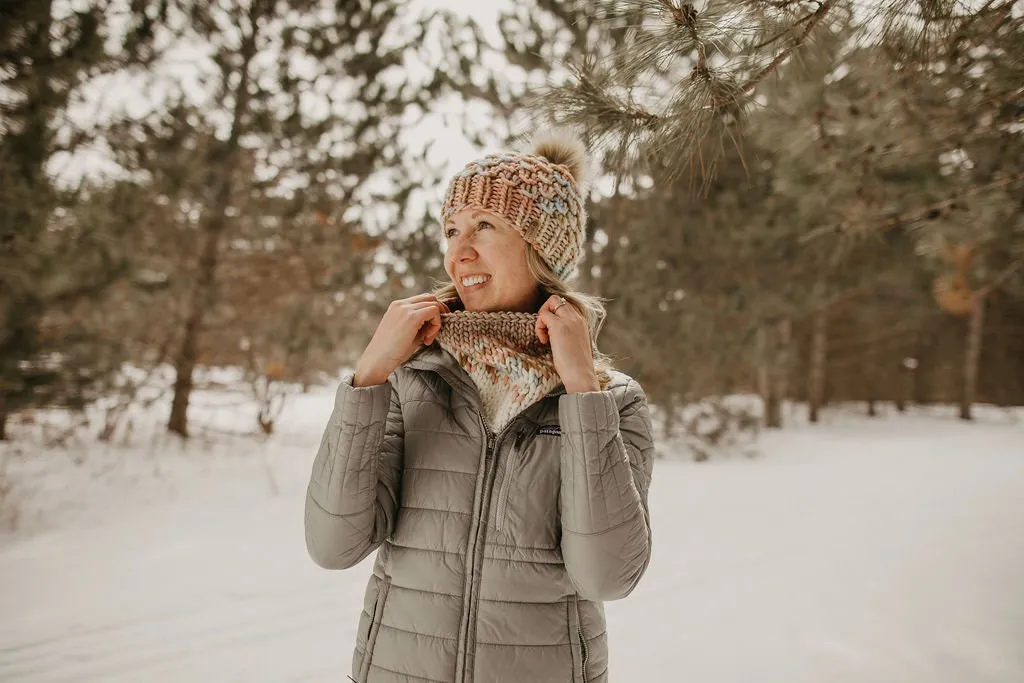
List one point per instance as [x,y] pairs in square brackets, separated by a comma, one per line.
[495,551]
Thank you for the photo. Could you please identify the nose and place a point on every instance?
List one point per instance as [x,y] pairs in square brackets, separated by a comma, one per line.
[461,250]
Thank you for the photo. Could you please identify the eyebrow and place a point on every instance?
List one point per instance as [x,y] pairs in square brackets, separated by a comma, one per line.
[476,214]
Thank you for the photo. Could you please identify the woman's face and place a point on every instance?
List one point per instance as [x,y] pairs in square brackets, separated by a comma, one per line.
[486,259]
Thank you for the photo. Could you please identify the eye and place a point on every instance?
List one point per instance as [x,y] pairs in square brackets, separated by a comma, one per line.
[449,232]
[483,225]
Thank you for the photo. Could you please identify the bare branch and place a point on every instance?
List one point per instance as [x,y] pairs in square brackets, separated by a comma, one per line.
[1001,277]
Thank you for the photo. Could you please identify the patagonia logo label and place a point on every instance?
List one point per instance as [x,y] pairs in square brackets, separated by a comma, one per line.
[550,430]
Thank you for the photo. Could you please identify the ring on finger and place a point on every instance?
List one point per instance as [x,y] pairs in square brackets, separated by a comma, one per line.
[561,302]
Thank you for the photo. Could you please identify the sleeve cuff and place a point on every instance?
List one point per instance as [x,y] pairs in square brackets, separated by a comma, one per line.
[590,411]
[361,405]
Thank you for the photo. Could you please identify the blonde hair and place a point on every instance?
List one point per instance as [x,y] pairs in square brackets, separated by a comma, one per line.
[591,307]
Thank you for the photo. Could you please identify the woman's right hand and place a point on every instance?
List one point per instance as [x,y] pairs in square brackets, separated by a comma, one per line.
[406,325]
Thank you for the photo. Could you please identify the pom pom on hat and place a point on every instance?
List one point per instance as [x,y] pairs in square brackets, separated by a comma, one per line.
[562,147]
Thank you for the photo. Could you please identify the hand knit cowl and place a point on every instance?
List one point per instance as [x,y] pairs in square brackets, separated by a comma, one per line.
[500,351]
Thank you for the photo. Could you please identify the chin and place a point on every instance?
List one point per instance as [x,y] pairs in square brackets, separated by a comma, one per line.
[475,303]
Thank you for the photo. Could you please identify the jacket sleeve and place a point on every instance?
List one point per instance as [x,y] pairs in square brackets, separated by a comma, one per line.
[607,462]
[352,498]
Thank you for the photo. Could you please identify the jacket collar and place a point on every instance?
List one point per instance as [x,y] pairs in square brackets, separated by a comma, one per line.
[435,359]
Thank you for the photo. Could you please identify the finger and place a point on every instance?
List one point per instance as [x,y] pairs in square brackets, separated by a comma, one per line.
[419,298]
[431,332]
[548,321]
[425,296]
[433,329]
[413,304]
[428,312]
[542,330]
[562,310]
[429,319]
[550,304]
[424,312]
[417,311]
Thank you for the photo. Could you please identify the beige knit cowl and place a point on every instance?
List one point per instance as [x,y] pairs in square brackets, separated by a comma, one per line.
[511,368]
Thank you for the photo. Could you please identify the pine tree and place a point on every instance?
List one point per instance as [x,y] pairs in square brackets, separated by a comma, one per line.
[53,259]
[835,116]
[689,71]
[294,169]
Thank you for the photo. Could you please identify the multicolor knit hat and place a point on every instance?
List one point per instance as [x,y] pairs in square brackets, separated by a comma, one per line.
[538,192]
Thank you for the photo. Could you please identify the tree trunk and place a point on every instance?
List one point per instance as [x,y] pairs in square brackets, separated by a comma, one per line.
[3,417]
[202,301]
[871,375]
[204,294]
[773,411]
[765,386]
[922,377]
[976,324]
[773,370]
[910,365]
[905,389]
[1002,361]
[785,364]
[816,384]
[26,198]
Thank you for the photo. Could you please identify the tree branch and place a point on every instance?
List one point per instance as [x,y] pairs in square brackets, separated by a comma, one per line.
[814,20]
[1002,277]
[685,16]
[928,212]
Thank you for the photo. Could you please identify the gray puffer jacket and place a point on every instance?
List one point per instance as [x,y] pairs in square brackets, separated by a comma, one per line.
[496,550]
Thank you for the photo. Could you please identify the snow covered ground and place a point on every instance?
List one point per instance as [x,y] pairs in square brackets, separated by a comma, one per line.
[855,551]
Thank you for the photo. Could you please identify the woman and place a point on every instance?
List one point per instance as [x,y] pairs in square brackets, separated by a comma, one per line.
[487,449]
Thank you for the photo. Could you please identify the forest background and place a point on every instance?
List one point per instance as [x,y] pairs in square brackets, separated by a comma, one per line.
[814,202]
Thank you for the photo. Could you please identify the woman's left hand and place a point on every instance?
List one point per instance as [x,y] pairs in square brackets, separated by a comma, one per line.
[565,328]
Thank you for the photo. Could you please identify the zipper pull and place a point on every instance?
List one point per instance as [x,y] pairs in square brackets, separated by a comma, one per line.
[490,443]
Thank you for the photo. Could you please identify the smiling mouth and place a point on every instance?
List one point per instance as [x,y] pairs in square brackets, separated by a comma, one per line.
[475,282]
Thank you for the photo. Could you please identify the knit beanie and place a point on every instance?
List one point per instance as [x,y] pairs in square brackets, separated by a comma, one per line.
[537,192]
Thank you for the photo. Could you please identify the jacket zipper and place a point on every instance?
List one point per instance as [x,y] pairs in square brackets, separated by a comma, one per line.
[492,443]
[506,483]
[583,649]
[584,654]
[376,619]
